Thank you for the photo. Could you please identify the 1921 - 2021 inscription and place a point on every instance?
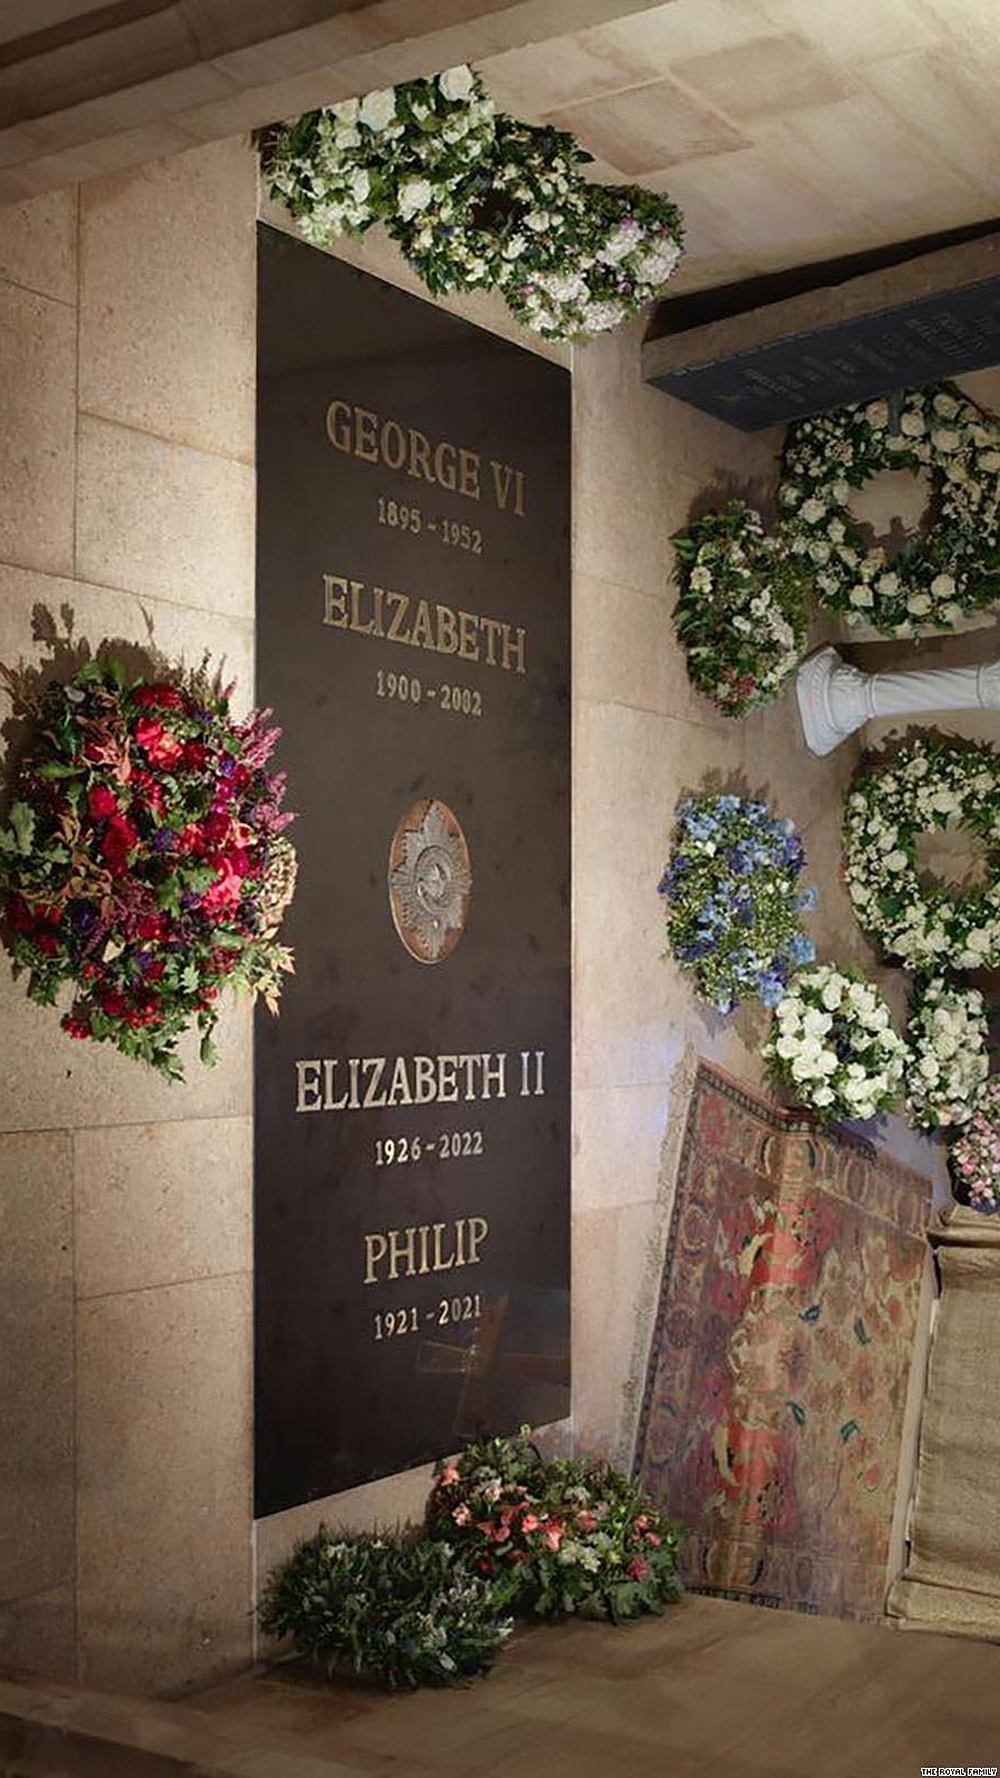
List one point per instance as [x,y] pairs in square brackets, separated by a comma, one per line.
[412,1101]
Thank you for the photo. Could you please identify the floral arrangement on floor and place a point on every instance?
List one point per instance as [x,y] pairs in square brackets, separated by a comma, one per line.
[933,781]
[733,908]
[143,861]
[385,158]
[947,1037]
[927,586]
[564,1536]
[740,614]
[393,1608]
[974,1158]
[477,201]
[833,1045]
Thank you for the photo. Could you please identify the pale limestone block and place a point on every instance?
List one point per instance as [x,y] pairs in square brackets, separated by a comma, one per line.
[38,244]
[780,770]
[646,127]
[542,77]
[162,519]
[665,34]
[164,1468]
[625,652]
[630,1008]
[611,1252]
[778,72]
[617,1137]
[91,1084]
[36,1368]
[161,1203]
[53,623]
[37,423]
[167,298]
[38,1633]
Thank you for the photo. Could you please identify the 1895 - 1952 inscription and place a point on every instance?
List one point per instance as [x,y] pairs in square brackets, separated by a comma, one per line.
[411,1104]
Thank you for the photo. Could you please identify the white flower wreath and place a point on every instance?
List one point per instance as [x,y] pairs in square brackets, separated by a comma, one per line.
[380,158]
[834,1046]
[933,782]
[948,1060]
[926,586]
[520,206]
[615,256]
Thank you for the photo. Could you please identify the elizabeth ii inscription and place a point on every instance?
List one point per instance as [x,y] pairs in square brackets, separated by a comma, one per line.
[412,1102]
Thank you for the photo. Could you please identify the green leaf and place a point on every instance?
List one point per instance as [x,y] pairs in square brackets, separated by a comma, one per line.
[208,1052]
[53,769]
[22,820]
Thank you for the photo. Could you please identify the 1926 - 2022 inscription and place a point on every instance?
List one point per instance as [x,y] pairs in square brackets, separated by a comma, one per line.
[412,1101]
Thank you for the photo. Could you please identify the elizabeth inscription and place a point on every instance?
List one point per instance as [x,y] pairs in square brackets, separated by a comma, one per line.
[412,1121]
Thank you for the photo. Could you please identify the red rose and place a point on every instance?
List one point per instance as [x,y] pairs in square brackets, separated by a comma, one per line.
[101,802]
[215,829]
[239,861]
[19,913]
[155,971]
[159,697]
[46,942]
[239,778]
[160,747]
[73,1026]
[113,1004]
[151,926]
[195,756]
[119,838]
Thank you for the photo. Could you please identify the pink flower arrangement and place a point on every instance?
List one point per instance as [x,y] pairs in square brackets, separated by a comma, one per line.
[975,1156]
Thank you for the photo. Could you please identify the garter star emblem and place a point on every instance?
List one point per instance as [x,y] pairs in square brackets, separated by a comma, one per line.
[430,881]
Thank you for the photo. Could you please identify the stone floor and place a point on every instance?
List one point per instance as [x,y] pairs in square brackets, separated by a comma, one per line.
[711,1688]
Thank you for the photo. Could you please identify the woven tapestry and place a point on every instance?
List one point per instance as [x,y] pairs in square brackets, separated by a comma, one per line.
[780,1358]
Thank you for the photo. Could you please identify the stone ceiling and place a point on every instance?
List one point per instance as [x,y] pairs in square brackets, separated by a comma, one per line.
[787,130]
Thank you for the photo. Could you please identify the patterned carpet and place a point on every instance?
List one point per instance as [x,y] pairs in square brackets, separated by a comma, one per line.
[780,1357]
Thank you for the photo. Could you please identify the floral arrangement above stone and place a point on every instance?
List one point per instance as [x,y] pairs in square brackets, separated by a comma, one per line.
[740,614]
[556,1537]
[733,907]
[947,1036]
[395,1608]
[974,1158]
[928,586]
[477,201]
[833,1045]
[933,781]
[144,863]
[383,158]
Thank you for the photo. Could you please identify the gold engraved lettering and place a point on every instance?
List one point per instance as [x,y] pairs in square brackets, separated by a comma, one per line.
[468,636]
[400,604]
[329,1102]
[420,457]
[495,1073]
[421,635]
[424,1080]
[420,1248]
[399,1091]
[335,601]
[338,425]
[375,1068]
[392,442]
[493,628]
[513,649]
[444,466]
[308,1096]
[357,589]
[468,474]
[447,632]
[366,435]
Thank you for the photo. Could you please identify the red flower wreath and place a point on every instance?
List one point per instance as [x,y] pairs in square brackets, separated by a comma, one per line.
[144,861]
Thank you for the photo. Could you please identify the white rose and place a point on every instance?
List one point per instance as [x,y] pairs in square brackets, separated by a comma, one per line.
[831,995]
[912,424]
[813,510]
[823,1096]
[347,111]
[457,83]
[378,109]
[877,414]
[945,405]
[989,460]
[861,595]
[918,604]
[945,438]
[943,585]
[414,196]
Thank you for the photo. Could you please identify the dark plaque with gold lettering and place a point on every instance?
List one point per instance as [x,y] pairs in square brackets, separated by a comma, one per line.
[412,1100]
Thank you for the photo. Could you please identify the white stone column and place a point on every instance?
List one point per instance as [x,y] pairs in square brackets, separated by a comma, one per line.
[835,699]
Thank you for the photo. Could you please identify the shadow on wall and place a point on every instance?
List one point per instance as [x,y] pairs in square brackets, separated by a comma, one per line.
[65,654]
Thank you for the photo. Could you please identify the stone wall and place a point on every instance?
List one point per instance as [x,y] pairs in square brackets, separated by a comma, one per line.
[127,1551]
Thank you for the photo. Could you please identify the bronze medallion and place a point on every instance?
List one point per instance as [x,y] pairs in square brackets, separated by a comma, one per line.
[430,881]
